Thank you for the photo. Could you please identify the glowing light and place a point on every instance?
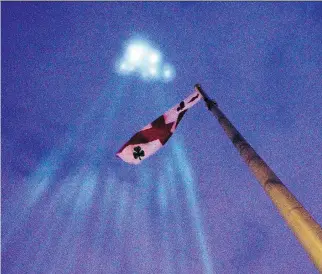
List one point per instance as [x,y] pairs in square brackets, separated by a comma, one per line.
[154,58]
[186,172]
[153,71]
[168,72]
[141,59]
[124,67]
[136,53]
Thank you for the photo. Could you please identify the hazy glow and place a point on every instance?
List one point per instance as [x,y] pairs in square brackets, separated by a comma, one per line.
[154,58]
[136,53]
[126,67]
[153,71]
[168,72]
[185,171]
[142,60]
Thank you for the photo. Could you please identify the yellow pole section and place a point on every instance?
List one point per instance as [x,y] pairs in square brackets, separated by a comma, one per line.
[305,228]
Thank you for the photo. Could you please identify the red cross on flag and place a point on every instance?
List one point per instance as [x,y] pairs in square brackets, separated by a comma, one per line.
[153,136]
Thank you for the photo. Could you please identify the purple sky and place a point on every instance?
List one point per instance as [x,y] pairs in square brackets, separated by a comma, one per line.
[70,206]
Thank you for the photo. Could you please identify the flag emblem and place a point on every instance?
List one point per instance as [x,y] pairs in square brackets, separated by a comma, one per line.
[138,153]
[153,136]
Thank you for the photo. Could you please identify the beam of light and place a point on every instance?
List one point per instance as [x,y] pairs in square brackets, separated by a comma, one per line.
[122,210]
[38,182]
[187,176]
[141,232]
[41,182]
[36,186]
[171,208]
[93,147]
[143,60]
[177,212]
[163,194]
[106,218]
[145,179]
[122,226]
[47,226]
[134,219]
[63,202]
[59,203]
[175,201]
[181,239]
[142,228]
[108,196]
[76,223]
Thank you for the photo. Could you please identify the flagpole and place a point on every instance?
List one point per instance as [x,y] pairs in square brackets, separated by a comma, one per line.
[305,228]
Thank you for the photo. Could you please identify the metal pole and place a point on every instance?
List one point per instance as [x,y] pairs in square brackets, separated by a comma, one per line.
[304,227]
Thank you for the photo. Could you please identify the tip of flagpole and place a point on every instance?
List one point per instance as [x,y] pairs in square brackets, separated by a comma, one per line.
[210,103]
[204,95]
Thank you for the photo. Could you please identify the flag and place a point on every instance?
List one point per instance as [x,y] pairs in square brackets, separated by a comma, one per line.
[153,136]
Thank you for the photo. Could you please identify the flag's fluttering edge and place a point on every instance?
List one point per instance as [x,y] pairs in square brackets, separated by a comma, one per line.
[153,136]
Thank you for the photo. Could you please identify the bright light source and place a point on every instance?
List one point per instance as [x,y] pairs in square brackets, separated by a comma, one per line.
[154,58]
[136,53]
[142,59]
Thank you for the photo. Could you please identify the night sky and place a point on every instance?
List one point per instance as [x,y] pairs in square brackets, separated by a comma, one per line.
[69,205]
